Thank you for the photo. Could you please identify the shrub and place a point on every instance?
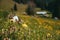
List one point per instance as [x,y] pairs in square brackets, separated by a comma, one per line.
[31,8]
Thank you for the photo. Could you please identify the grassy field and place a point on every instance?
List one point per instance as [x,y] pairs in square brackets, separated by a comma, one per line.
[32,28]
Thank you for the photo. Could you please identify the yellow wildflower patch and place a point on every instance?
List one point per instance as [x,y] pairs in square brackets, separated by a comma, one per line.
[49,35]
[57,32]
[48,27]
[24,25]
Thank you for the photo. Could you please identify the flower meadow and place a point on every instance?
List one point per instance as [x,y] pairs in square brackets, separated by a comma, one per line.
[32,28]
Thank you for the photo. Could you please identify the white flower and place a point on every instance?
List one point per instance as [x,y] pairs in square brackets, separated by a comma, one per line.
[3,30]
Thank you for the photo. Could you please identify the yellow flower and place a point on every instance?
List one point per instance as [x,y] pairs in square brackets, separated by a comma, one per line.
[7,38]
[11,20]
[57,32]
[48,27]
[49,35]
[3,30]
[24,25]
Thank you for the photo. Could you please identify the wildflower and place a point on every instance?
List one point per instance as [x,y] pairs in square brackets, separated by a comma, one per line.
[14,28]
[10,29]
[57,32]
[11,20]
[24,25]
[48,27]
[3,31]
[7,38]
[49,35]
[39,26]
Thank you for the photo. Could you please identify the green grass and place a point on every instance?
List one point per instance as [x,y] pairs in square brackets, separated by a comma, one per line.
[38,29]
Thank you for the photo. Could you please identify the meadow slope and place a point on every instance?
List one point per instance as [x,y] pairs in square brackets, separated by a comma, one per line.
[32,28]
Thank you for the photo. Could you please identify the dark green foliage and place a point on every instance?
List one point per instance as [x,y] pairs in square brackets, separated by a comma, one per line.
[0,0]
[21,1]
[30,11]
[3,14]
[31,8]
[58,38]
[51,5]
[17,1]
[15,7]
[55,8]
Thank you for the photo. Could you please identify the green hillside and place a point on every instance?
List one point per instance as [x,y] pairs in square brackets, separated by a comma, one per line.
[31,27]
[8,4]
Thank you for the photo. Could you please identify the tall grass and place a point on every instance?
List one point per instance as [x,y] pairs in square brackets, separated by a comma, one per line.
[38,28]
